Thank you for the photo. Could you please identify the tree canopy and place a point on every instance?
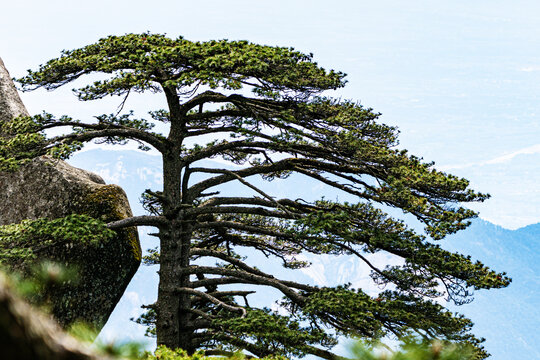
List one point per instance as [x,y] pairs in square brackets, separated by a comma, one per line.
[265,111]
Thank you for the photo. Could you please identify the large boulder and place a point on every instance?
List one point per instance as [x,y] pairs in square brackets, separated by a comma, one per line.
[49,188]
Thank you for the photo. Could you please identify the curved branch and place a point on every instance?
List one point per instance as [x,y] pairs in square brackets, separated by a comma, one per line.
[144,220]
[262,231]
[207,96]
[217,114]
[285,164]
[229,259]
[325,354]
[105,130]
[202,314]
[254,188]
[282,285]
[208,282]
[232,293]
[255,200]
[212,299]
[300,165]
[264,246]
[240,210]
[240,101]
[216,149]
[211,130]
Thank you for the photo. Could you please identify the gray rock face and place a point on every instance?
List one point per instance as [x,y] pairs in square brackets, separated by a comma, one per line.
[10,102]
[47,188]
[60,188]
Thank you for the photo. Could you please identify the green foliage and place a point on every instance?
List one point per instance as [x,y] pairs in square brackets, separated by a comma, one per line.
[272,333]
[136,60]
[148,319]
[87,334]
[121,350]
[20,241]
[364,225]
[409,349]
[412,349]
[164,353]
[285,127]
[359,314]
[37,281]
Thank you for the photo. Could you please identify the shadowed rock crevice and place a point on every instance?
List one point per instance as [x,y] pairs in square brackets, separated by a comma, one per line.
[48,188]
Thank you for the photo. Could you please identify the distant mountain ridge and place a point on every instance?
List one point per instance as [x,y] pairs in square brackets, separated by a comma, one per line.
[508,318]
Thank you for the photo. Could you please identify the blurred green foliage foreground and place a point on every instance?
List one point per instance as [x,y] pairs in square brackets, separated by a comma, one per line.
[409,350]
[27,332]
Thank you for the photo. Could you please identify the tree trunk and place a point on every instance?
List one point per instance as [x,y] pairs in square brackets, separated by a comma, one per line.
[173,316]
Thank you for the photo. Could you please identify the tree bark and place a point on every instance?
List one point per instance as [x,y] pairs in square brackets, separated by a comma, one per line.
[173,311]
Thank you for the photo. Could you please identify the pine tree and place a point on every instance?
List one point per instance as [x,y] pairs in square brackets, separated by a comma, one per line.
[264,108]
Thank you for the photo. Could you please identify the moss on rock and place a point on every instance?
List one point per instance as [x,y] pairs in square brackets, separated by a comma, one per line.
[107,202]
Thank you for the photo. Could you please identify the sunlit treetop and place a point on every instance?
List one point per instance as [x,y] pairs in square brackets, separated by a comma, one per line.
[139,62]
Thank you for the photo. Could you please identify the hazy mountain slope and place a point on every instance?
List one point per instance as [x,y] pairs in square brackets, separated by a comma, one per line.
[508,318]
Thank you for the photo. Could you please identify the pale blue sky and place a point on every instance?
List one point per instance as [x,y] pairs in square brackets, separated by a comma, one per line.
[461,79]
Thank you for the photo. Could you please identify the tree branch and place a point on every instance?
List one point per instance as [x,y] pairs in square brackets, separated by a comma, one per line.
[283,286]
[229,259]
[240,210]
[106,130]
[212,299]
[144,220]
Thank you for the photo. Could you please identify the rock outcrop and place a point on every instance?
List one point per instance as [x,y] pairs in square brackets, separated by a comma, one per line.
[48,188]
[10,103]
